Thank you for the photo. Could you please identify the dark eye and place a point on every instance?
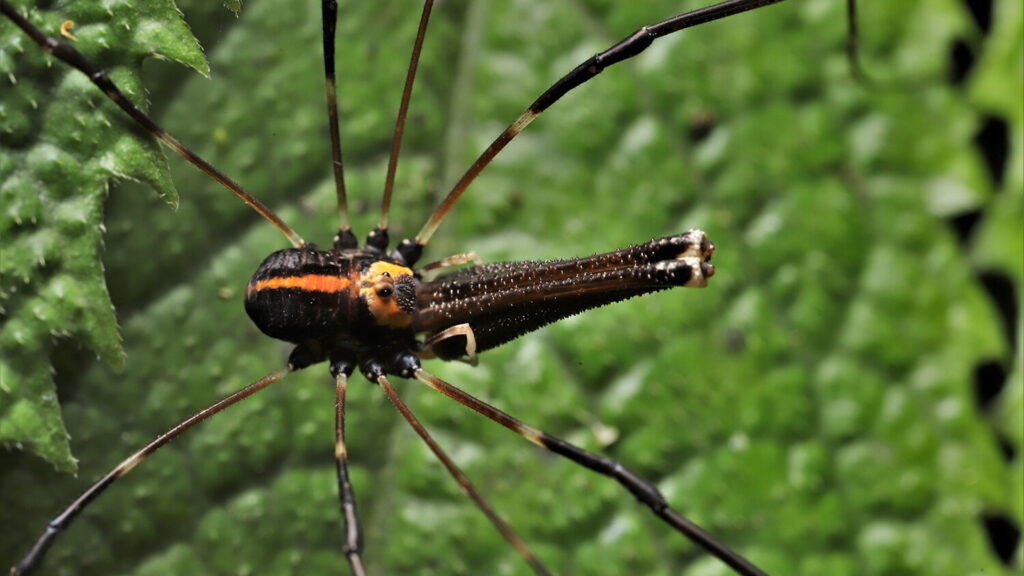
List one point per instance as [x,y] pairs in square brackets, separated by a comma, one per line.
[385,291]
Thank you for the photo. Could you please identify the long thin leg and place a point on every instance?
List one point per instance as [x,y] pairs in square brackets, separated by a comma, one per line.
[851,40]
[329,10]
[64,51]
[353,534]
[625,49]
[642,489]
[379,236]
[470,257]
[58,524]
[464,483]
[852,43]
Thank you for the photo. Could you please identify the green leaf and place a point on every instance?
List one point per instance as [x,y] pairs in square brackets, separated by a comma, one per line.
[63,145]
[998,87]
[813,407]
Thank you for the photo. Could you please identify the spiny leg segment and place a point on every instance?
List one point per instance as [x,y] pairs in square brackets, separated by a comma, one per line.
[643,490]
[61,522]
[68,54]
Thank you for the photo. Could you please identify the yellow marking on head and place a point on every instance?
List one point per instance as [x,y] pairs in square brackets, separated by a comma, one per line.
[381,267]
[377,289]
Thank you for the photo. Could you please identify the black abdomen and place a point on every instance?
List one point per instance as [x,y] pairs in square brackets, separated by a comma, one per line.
[302,294]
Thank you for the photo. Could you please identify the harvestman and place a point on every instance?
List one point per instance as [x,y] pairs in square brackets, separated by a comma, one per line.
[367,307]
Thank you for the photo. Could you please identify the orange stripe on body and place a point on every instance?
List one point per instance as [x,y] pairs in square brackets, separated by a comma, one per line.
[309,282]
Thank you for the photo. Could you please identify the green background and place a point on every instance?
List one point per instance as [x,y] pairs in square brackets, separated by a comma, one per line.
[813,407]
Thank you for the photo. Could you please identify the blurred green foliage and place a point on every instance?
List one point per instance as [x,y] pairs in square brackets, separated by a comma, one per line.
[813,407]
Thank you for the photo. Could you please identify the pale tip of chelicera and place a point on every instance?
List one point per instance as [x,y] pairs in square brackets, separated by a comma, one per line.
[697,255]
[707,269]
